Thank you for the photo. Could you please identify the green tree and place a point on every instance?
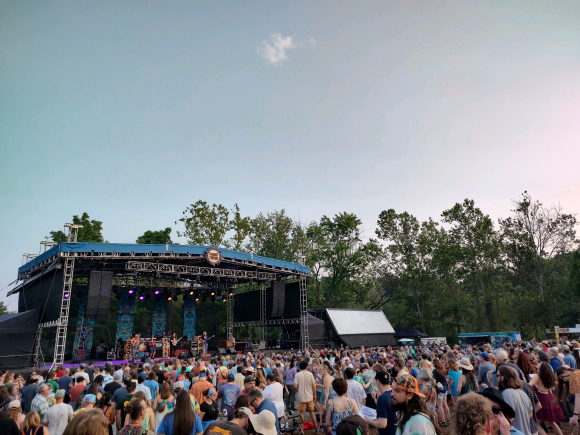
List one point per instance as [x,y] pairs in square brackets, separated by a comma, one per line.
[537,241]
[3,308]
[241,227]
[90,232]
[205,225]
[161,237]
[575,273]
[479,246]
[272,235]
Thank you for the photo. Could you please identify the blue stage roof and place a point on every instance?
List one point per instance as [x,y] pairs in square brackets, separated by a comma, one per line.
[127,248]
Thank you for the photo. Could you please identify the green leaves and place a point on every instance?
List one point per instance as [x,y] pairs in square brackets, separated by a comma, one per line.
[162,237]
[90,232]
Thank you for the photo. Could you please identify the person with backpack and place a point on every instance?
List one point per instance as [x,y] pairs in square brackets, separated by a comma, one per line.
[439,374]
[32,426]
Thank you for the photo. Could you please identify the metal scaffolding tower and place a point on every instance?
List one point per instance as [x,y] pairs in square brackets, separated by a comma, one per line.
[304,339]
[62,323]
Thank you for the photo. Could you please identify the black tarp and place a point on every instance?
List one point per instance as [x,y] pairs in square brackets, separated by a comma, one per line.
[316,331]
[17,335]
[247,304]
[404,332]
[44,295]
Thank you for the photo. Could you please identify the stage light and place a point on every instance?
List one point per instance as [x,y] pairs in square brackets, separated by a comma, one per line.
[191,293]
[66,295]
[169,298]
[157,291]
[197,298]
[131,291]
[224,299]
[231,293]
[142,296]
[213,293]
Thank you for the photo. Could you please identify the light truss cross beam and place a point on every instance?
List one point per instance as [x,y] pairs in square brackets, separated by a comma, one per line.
[146,266]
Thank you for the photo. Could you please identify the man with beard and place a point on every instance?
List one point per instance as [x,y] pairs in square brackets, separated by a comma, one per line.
[412,414]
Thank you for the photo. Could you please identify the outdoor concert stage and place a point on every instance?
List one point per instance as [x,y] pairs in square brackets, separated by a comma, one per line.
[97,272]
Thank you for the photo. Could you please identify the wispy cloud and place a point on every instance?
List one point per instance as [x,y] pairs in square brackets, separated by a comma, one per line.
[274,49]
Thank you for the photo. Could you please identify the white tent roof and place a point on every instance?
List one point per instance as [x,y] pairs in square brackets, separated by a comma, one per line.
[351,321]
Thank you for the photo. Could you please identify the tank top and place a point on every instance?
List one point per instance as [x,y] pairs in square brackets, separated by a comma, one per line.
[336,417]
[467,388]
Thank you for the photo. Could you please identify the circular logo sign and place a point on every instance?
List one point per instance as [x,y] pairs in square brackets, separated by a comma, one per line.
[213,256]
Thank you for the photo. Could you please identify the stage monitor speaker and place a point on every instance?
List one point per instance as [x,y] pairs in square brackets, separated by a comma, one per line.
[105,295]
[93,295]
[222,350]
[278,299]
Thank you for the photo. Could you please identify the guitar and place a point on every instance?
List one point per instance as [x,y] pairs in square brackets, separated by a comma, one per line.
[174,342]
[134,341]
[202,341]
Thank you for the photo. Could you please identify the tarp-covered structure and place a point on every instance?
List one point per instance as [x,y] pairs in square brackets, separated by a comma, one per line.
[405,332]
[17,335]
[356,328]
[316,331]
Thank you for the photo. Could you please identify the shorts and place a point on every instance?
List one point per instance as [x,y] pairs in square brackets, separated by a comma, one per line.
[441,395]
[306,406]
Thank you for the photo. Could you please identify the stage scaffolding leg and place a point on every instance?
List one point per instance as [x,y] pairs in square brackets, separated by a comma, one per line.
[262,311]
[60,342]
[37,350]
[230,313]
[304,339]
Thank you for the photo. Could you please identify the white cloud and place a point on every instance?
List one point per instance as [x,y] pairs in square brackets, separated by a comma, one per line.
[274,48]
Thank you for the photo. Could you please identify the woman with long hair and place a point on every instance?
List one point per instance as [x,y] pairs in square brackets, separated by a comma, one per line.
[92,422]
[525,364]
[108,410]
[454,375]
[289,376]
[94,389]
[32,426]
[467,381]
[339,407]
[551,412]
[439,374]
[428,388]
[164,403]
[182,421]
[148,420]
[15,413]
[510,385]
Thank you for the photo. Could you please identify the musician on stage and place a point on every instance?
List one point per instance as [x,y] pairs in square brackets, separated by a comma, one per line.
[233,340]
[135,345]
[205,339]
[172,344]
[152,348]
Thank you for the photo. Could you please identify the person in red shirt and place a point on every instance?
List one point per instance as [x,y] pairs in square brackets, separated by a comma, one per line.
[76,390]
[249,383]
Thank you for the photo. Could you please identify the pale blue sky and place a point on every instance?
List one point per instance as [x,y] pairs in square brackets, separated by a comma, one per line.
[133,110]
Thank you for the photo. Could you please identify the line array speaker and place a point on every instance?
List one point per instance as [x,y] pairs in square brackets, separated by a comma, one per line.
[278,299]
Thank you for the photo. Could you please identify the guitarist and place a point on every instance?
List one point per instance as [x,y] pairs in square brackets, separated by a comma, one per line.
[135,345]
[172,343]
[204,339]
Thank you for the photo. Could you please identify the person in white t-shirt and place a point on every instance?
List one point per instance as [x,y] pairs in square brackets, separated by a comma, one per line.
[275,392]
[58,415]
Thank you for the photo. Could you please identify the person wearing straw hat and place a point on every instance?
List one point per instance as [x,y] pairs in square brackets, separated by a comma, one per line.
[264,422]
[412,414]
[467,381]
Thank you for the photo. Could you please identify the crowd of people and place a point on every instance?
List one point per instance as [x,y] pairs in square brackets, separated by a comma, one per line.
[524,388]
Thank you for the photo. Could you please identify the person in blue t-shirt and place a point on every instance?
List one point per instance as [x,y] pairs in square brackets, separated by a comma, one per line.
[386,421]
[257,401]
[229,394]
[152,384]
[182,417]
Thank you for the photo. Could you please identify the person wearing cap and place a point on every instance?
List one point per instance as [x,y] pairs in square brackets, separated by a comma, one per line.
[142,387]
[484,368]
[502,359]
[89,402]
[503,414]
[264,423]
[229,394]
[569,359]
[200,386]
[249,383]
[274,391]
[413,416]
[58,415]
[15,412]
[555,362]
[386,417]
